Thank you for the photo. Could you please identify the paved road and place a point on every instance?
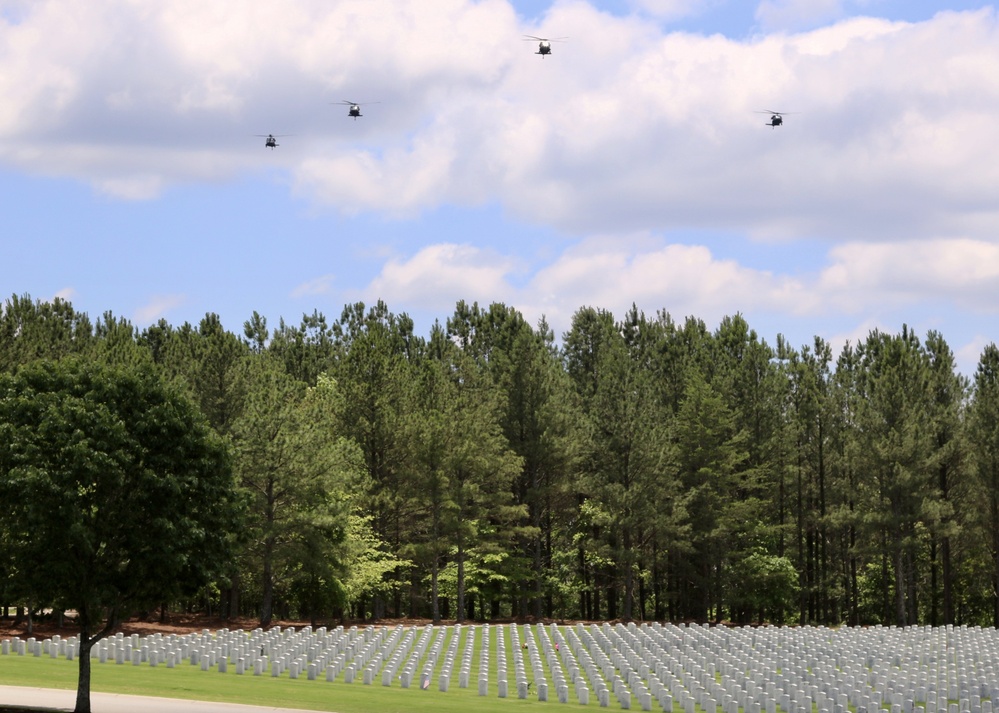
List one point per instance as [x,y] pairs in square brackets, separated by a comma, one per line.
[115,703]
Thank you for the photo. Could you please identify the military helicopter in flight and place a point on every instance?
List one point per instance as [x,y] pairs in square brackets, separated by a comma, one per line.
[355,107]
[270,140]
[776,117]
[544,43]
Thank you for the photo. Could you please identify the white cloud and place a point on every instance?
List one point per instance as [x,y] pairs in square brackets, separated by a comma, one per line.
[157,307]
[66,293]
[684,280]
[317,286]
[884,282]
[439,275]
[623,129]
[637,131]
[671,9]
[140,187]
[961,271]
[796,14]
[857,335]
[611,274]
[968,355]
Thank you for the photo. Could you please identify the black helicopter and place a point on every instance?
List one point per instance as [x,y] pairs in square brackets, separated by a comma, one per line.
[776,117]
[355,107]
[544,43]
[270,140]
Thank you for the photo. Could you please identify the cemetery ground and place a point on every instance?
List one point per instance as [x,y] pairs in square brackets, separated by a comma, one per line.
[191,683]
[651,667]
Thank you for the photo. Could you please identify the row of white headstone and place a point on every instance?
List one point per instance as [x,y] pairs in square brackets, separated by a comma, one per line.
[693,668]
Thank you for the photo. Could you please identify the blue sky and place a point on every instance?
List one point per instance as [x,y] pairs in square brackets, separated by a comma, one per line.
[629,166]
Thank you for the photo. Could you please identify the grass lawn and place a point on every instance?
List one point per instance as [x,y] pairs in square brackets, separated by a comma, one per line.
[190,682]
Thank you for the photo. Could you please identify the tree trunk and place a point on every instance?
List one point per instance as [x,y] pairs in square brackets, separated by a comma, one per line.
[934,587]
[535,507]
[460,614]
[629,578]
[995,556]
[83,681]
[433,592]
[267,599]
[900,587]
[800,536]
[642,596]
[234,597]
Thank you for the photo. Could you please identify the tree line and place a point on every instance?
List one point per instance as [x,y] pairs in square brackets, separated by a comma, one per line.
[637,468]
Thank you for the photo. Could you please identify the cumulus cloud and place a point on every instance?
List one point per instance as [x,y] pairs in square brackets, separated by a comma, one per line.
[968,355]
[611,274]
[625,128]
[963,271]
[796,14]
[439,275]
[682,279]
[858,334]
[317,286]
[883,282]
[671,9]
[157,307]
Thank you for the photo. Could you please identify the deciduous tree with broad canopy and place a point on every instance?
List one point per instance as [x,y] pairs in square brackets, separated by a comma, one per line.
[117,495]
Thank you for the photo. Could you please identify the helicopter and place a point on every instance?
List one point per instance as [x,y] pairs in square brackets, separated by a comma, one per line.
[270,140]
[776,117]
[355,107]
[544,43]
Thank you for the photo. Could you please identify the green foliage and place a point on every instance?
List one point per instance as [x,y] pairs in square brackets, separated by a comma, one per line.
[297,471]
[112,484]
[645,469]
[462,466]
[766,584]
[368,563]
[116,494]
[31,330]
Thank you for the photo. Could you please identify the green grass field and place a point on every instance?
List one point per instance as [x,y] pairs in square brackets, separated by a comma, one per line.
[190,682]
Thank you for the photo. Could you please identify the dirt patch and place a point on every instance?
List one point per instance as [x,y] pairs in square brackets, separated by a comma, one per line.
[48,626]
[174,624]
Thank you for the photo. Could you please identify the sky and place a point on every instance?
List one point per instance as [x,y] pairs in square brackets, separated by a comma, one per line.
[632,165]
